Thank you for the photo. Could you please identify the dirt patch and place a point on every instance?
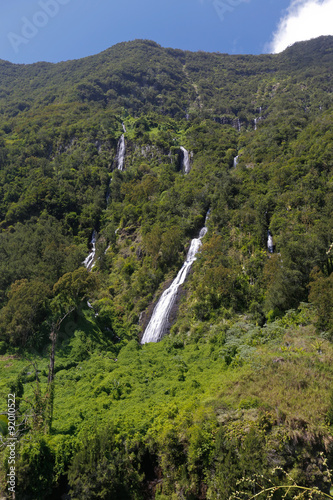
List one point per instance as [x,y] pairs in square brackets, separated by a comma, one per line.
[6,358]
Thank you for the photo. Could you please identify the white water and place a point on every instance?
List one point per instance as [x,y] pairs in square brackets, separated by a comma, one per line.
[91,307]
[236,161]
[89,261]
[159,322]
[270,244]
[256,120]
[121,149]
[186,160]
[124,128]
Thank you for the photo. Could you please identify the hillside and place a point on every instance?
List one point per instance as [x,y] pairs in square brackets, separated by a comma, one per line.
[125,156]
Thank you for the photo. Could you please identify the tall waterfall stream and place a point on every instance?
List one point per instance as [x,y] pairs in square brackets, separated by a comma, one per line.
[89,261]
[186,160]
[121,149]
[159,321]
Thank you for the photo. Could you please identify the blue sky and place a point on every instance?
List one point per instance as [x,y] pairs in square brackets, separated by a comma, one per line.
[55,30]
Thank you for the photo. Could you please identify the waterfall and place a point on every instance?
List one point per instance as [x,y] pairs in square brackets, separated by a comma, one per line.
[159,322]
[120,156]
[270,245]
[236,161]
[185,160]
[91,307]
[124,128]
[256,120]
[89,261]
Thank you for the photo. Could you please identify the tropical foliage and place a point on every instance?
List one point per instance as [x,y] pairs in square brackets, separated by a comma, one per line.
[236,401]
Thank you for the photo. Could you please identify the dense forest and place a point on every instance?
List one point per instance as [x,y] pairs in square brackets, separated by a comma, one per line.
[109,167]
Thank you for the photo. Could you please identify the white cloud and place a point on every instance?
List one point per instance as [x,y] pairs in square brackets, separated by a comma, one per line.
[304,19]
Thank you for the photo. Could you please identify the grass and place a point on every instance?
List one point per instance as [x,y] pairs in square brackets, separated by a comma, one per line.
[174,400]
[296,379]
[286,375]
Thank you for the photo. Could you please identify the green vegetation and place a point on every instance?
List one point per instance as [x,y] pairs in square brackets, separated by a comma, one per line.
[236,402]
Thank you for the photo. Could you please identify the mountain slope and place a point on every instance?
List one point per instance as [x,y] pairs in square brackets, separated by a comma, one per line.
[242,382]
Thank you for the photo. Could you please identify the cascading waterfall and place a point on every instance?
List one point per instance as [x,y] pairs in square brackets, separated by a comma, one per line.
[159,322]
[121,149]
[92,308]
[185,160]
[89,261]
[270,244]
[236,161]
[124,128]
[256,120]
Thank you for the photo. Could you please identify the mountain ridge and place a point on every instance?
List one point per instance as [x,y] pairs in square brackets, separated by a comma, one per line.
[314,43]
[124,70]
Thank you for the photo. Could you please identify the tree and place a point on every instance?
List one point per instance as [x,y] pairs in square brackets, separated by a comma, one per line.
[283,285]
[27,307]
[321,295]
[104,468]
[71,289]
[35,469]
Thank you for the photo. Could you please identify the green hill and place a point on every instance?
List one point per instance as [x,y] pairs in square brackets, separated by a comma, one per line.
[237,397]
